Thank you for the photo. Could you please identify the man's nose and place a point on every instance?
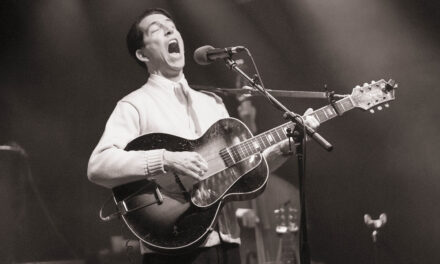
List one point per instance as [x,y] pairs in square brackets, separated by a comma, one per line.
[168,30]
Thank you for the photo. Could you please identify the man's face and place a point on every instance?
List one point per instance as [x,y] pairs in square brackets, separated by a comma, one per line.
[163,44]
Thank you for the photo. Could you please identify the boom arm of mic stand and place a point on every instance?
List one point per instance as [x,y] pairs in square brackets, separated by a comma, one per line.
[288,114]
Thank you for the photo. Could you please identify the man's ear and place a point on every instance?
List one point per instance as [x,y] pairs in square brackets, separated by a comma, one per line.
[140,56]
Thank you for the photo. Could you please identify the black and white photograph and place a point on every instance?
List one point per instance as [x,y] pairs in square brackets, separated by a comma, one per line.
[220,132]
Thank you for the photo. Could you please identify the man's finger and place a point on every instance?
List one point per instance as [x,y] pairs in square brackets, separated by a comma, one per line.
[308,111]
[194,175]
[204,166]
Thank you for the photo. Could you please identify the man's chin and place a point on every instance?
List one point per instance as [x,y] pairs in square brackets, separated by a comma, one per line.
[177,65]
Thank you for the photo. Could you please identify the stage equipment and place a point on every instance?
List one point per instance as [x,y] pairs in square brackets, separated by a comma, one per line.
[208,54]
[172,214]
[375,224]
[298,134]
[249,91]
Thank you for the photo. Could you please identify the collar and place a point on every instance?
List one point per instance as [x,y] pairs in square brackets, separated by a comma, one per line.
[166,83]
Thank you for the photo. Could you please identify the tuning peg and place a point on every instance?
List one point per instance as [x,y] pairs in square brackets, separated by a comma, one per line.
[372,111]
[365,84]
[379,108]
[386,105]
[372,82]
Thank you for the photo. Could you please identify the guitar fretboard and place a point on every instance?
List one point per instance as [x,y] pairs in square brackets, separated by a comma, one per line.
[271,137]
[328,112]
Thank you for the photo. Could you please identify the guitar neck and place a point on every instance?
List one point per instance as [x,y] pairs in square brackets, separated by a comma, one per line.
[328,112]
[271,137]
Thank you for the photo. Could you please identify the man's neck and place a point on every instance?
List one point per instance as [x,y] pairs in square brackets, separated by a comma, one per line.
[174,76]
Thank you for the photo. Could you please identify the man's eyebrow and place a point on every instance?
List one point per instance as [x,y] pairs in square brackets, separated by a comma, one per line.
[157,23]
[152,23]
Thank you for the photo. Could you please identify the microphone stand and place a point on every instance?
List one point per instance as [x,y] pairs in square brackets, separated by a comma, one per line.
[249,91]
[299,137]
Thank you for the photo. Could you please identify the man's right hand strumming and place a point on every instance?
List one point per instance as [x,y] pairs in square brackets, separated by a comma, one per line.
[185,163]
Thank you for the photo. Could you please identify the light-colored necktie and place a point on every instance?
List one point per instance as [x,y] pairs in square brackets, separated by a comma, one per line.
[184,95]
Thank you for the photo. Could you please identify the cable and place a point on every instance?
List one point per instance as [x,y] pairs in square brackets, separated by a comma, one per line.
[42,204]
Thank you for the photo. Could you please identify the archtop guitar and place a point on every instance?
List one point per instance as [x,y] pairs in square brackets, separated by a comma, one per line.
[173,214]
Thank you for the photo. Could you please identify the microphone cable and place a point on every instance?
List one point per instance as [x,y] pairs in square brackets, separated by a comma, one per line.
[41,202]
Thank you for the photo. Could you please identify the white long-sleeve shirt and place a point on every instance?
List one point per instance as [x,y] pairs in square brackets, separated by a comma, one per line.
[157,107]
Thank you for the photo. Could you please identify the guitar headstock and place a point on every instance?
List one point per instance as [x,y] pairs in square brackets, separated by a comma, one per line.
[376,93]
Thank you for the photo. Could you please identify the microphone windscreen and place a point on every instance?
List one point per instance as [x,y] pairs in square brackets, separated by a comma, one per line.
[201,55]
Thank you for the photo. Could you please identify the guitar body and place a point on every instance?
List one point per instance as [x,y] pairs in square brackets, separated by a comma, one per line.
[173,214]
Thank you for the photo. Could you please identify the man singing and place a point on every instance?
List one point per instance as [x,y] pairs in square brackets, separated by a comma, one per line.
[166,104]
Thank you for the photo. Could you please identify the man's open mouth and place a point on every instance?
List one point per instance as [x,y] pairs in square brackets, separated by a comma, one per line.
[173,46]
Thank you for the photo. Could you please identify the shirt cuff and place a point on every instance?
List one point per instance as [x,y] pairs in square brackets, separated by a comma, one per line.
[154,162]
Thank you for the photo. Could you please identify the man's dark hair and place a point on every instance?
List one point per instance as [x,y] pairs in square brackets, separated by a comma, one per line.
[135,36]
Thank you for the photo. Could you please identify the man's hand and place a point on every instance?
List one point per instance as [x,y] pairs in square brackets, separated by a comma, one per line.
[310,120]
[185,163]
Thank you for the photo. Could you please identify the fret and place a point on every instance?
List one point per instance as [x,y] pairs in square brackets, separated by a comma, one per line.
[284,129]
[325,113]
[277,138]
[330,112]
[230,155]
[241,152]
[240,157]
[235,153]
[340,107]
[252,146]
[265,139]
[245,148]
[248,146]
[321,116]
[316,116]
[261,141]
[276,133]
[346,104]
[256,144]
[270,138]
[283,133]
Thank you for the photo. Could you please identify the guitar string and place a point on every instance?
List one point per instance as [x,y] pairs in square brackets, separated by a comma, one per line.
[246,146]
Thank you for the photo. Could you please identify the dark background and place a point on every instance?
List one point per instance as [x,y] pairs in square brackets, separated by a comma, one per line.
[64,65]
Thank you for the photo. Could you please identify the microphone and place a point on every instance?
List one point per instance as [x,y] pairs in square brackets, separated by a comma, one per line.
[208,54]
